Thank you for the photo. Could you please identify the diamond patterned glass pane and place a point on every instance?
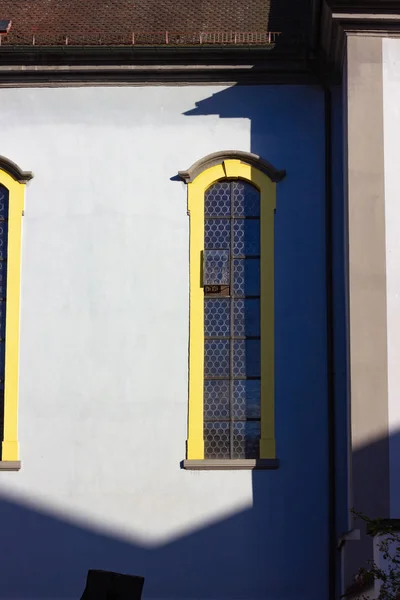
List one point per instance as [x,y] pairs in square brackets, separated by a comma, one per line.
[217,317]
[246,277]
[4,197]
[3,222]
[217,233]
[2,358]
[3,268]
[216,267]
[246,399]
[229,403]
[3,278]
[3,202]
[216,399]
[246,237]
[3,238]
[216,440]
[217,201]
[246,317]
[246,199]
[216,358]
[2,322]
[246,358]
[246,439]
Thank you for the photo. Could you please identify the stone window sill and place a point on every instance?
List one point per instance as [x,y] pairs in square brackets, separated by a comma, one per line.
[10,465]
[231,465]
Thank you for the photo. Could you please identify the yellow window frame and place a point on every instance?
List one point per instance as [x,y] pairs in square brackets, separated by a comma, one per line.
[264,178]
[14,180]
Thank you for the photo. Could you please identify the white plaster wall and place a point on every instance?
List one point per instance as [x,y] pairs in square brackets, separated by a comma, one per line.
[391,104]
[104,349]
[104,327]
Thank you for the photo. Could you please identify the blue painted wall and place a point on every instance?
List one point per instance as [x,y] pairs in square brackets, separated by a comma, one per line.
[287,129]
[276,546]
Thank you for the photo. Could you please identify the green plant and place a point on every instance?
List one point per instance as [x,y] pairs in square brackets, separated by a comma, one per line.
[387,574]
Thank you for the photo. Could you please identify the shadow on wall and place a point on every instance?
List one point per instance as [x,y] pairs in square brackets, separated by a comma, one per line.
[43,556]
[279,547]
[288,130]
[375,493]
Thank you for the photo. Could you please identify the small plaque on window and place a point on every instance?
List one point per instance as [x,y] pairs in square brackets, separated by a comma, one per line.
[218,290]
[216,271]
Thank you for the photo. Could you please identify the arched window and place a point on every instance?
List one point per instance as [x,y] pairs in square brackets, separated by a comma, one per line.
[12,190]
[231,284]
[231,200]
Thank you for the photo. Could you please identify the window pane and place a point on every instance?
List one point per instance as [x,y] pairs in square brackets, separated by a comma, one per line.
[3,271]
[217,440]
[246,199]
[217,317]
[3,238]
[2,321]
[216,269]
[246,317]
[2,358]
[3,278]
[216,399]
[216,358]
[217,200]
[232,366]
[246,277]
[217,233]
[246,399]
[3,222]
[246,358]
[246,439]
[3,202]
[246,237]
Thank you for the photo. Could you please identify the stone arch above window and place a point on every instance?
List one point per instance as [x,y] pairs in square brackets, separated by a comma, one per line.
[12,169]
[219,158]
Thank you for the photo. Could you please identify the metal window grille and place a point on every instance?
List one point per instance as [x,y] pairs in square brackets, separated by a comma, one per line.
[231,280]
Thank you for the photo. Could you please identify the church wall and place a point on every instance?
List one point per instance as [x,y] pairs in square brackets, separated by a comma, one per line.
[104,349]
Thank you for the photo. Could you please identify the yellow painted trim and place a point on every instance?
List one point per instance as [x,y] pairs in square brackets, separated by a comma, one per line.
[16,193]
[196,190]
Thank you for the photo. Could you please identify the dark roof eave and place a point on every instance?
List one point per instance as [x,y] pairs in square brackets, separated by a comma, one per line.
[374,6]
[203,64]
[295,73]
[81,54]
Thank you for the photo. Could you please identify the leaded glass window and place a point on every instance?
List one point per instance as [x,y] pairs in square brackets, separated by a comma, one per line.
[3,282]
[231,281]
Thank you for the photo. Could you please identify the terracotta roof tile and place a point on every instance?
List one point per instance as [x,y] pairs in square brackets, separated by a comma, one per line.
[109,22]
